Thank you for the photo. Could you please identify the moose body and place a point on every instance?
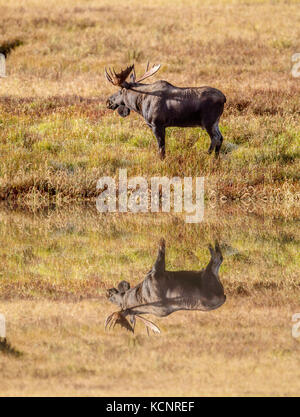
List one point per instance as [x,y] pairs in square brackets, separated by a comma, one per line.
[164,292]
[163,105]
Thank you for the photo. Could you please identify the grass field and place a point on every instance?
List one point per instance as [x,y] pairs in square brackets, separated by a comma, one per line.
[58,255]
[57,138]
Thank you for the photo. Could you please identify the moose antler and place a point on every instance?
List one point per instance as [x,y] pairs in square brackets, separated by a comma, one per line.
[118,79]
[149,325]
[149,72]
[118,318]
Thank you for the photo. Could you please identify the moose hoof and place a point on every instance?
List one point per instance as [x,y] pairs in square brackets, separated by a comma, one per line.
[162,154]
[162,243]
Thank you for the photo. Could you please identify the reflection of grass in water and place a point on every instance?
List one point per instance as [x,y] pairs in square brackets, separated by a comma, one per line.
[53,292]
[7,349]
[46,257]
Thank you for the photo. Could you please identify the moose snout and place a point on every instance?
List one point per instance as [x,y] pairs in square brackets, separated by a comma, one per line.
[111,292]
[111,105]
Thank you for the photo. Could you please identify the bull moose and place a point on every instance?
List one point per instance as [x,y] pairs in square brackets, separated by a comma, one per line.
[164,292]
[163,105]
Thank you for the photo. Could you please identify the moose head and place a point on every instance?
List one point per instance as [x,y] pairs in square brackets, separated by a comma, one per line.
[116,101]
[115,295]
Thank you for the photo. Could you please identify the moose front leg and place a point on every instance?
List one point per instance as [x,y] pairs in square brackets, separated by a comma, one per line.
[160,263]
[216,258]
[160,133]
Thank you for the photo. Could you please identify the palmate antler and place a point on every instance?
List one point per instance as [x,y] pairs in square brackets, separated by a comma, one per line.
[149,325]
[149,72]
[118,318]
[118,79]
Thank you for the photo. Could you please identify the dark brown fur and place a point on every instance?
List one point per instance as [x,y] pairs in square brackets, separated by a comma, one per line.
[164,292]
[163,105]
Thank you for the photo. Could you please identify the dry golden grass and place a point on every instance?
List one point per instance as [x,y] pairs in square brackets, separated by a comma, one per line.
[240,349]
[57,138]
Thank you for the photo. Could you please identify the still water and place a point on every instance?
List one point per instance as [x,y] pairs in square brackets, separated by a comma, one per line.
[60,270]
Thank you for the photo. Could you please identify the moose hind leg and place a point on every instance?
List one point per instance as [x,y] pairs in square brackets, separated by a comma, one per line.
[160,263]
[215,137]
[220,141]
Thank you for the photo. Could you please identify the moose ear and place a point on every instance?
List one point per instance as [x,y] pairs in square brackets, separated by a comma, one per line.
[123,111]
[123,287]
[132,77]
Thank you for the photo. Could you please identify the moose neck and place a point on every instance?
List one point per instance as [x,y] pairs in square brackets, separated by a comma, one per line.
[133,96]
[133,299]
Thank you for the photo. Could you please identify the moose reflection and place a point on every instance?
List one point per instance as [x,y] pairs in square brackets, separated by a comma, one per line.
[164,292]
